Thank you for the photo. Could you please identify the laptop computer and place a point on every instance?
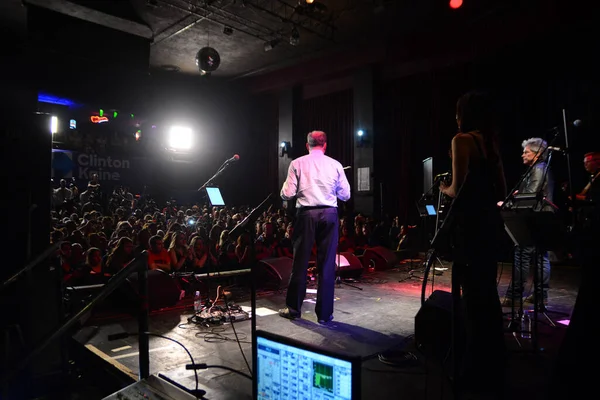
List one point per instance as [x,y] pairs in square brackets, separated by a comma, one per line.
[289,369]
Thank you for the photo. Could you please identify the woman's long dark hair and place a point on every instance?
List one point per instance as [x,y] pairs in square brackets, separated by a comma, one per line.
[475,112]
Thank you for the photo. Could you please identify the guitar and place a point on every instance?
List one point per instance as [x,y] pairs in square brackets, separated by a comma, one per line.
[588,186]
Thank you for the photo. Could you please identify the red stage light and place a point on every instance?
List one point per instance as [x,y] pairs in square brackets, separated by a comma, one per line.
[455,4]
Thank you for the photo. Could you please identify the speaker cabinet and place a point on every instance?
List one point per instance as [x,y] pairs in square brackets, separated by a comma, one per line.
[349,265]
[163,290]
[274,272]
[433,325]
[379,257]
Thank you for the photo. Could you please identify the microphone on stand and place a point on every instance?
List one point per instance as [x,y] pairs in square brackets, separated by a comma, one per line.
[220,171]
[554,148]
[232,159]
[577,124]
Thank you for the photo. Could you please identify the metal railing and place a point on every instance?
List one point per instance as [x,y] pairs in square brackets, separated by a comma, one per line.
[139,265]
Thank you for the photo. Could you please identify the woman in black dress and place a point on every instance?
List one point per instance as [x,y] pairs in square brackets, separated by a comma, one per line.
[478,184]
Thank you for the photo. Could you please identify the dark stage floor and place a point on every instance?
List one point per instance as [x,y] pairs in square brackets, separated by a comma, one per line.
[379,317]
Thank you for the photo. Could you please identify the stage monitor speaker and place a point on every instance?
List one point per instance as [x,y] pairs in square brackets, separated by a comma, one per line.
[380,257]
[350,266]
[163,290]
[433,325]
[274,272]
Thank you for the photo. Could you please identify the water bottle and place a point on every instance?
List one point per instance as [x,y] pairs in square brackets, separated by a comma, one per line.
[197,302]
[526,325]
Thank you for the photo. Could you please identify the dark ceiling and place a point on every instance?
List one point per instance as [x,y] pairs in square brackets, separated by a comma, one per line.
[177,29]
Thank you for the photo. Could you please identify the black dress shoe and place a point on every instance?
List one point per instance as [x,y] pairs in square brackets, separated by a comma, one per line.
[324,321]
[289,314]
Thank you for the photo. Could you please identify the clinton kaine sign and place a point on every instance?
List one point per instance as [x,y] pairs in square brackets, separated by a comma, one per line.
[81,166]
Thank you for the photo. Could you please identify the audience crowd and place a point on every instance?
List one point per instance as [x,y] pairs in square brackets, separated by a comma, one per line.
[100,234]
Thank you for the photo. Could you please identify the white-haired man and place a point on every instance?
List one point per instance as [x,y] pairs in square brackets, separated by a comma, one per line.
[538,180]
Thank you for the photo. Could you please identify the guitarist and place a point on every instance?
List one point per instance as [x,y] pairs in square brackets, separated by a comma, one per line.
[477,185]
[591,192]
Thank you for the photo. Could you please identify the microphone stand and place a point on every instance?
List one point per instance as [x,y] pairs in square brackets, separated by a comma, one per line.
[424,236]
[222,168]
[568,155]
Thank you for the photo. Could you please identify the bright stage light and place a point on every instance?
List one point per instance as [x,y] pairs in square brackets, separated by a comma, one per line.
[53,125]
[180,138]
[360,133]
[456,4]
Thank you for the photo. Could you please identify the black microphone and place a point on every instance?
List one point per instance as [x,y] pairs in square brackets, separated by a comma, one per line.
[577,124]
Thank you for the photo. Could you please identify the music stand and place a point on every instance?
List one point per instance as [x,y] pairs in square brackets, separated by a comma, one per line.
[538,229]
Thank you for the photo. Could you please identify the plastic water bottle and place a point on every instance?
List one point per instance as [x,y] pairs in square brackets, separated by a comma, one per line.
[526,325]
[197,302]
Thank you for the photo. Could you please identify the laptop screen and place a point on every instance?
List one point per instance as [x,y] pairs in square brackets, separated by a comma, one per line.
[288,369]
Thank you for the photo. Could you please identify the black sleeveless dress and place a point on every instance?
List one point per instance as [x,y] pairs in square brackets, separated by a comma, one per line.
[478,225]
[477,217]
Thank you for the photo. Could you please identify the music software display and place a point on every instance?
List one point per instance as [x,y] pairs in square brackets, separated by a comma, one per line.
[293,371]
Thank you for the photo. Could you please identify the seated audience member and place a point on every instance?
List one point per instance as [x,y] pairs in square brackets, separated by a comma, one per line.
[77,256]
[285,246]
[120,256]
[244,250]
[141,242]
[200,253]
[179,253]
[93,260]
[347,243]
[158,256]
[227,256]
[64,256]
[360,239]
[92,272]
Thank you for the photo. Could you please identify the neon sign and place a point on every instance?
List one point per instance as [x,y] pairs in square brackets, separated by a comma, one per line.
[98,120]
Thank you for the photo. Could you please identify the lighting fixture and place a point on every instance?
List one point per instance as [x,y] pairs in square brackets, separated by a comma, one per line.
[53,124]
[180,138]
[285,148]
[207,60]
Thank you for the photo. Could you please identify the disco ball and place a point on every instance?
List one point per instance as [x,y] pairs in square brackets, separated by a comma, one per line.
[207,59]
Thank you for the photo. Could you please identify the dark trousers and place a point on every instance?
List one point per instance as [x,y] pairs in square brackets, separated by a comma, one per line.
[481,352]
[525,259]
[320,225]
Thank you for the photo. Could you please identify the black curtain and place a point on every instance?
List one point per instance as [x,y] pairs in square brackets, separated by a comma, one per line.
[333,114]
[415,116]
[262,148]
